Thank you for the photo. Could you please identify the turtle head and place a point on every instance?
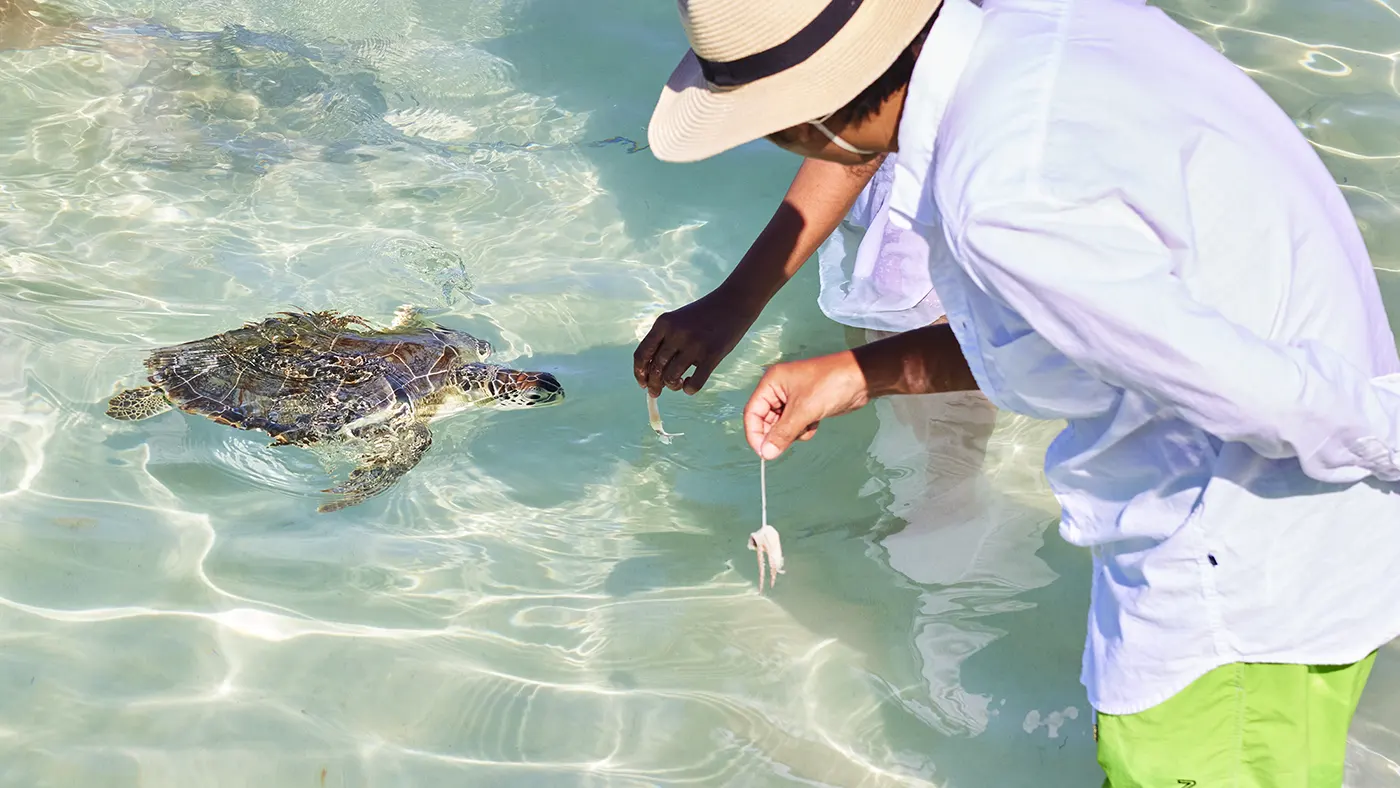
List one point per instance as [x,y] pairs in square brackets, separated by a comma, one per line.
[512,388]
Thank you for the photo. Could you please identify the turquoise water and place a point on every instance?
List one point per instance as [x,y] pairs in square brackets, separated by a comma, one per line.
[551,597]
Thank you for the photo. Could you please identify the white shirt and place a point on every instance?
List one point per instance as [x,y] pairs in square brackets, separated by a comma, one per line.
[1128,234]
[885,285]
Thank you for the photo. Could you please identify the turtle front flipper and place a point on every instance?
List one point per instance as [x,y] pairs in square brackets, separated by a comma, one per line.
[138,403]
[393,450]
[409,316]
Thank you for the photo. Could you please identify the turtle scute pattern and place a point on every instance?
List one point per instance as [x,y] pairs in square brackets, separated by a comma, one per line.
[310,377]
[138,403]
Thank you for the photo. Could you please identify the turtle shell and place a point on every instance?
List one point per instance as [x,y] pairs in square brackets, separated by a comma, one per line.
[302,377]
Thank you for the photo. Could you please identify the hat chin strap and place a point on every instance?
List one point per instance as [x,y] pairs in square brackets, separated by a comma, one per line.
[836,139]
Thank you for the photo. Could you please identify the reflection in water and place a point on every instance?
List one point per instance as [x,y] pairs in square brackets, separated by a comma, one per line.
[959,484]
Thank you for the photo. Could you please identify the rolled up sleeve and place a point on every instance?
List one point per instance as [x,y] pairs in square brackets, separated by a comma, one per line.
[1097,283]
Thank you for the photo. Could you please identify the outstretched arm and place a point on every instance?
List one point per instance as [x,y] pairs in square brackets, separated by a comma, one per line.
[702,333]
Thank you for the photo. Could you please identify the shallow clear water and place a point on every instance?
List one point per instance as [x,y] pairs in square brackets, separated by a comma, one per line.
[551,597]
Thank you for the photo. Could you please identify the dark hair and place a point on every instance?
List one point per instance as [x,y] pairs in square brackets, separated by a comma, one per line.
[895,77]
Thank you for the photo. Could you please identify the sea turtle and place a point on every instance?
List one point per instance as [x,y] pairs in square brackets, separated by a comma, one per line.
[319,377]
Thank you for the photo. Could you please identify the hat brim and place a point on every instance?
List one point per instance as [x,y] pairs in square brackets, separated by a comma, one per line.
[695,120]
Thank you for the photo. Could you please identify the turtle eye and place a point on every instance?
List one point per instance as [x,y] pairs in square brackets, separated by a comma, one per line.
[547,387]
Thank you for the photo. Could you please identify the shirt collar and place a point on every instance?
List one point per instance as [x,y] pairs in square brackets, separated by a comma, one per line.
[940,66]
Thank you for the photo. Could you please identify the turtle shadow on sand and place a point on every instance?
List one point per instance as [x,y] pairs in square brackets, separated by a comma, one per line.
[315,378]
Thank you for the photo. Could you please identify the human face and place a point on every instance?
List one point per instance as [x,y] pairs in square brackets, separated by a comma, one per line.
[815,139]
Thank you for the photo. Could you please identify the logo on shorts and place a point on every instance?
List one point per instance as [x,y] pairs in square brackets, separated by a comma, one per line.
[1186,783]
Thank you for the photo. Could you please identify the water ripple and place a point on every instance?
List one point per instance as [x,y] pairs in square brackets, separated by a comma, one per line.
[549,598]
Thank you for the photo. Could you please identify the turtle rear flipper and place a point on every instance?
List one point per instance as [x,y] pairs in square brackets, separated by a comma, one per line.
[393,451]
[138,403]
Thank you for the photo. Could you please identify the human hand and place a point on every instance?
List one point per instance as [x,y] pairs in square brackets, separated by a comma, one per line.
[792,398]
[699,334]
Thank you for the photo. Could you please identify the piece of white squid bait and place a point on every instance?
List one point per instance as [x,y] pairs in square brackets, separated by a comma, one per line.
[655,416]
[765,540]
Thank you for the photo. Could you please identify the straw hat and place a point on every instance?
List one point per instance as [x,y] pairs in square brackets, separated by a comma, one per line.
[760,66]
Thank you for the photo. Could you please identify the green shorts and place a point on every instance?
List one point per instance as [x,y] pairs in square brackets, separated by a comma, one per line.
[1243,725]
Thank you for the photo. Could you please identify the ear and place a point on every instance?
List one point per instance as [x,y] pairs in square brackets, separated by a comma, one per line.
[803,136]
[811,137]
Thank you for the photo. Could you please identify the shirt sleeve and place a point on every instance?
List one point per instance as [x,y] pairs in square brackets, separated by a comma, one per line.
[1098,284]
